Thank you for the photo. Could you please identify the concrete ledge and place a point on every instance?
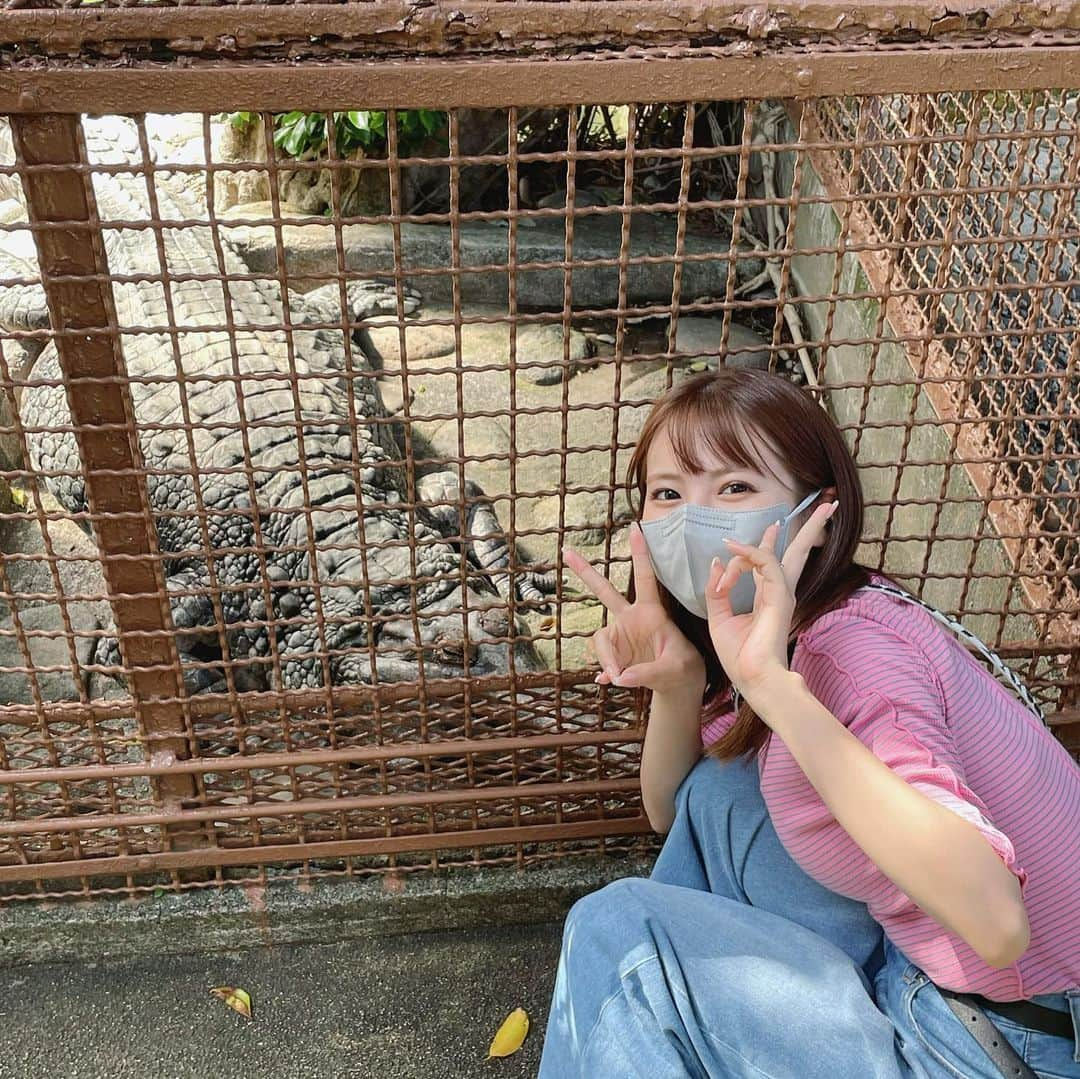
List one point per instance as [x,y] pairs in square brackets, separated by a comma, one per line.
[311,249]
[239,917]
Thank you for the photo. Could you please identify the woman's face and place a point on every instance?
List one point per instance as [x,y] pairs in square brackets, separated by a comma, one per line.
[722,484]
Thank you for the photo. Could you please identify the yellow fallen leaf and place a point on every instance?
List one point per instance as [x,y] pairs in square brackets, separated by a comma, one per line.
[237,999]
[510,1035]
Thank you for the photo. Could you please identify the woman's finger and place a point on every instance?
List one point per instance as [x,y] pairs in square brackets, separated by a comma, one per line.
[606,652]
[597,584]
[798,551]
[718,591]
[645,588]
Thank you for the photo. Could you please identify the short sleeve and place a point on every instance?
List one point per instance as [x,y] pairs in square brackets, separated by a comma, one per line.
[884,691]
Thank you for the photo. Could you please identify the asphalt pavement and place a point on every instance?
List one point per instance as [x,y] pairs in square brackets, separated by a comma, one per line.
[394,1007]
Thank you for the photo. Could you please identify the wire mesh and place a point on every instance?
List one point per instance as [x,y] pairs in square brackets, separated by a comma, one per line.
[301,408]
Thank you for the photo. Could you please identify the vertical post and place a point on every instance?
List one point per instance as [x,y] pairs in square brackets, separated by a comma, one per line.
[74,273]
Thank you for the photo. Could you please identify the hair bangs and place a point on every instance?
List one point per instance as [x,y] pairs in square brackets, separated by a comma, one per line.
[707,422]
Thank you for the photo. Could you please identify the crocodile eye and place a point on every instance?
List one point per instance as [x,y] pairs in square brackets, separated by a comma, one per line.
[452,652]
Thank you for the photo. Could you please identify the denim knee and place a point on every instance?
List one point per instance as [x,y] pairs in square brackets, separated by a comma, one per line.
[713,784]
[608,907]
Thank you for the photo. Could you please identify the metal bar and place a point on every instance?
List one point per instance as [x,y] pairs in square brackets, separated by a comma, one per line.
[348,848]
[508,25]
[906,316]
[271,810]
[143,624]
[437,84]
[458,747]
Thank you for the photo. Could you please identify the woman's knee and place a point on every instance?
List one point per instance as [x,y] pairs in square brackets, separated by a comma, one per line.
[610,915]
[713,785]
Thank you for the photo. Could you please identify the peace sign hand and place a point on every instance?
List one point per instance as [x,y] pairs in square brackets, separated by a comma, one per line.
[753,647]
[640,645]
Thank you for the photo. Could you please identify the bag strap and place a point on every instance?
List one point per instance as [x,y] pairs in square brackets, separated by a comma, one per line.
[1005,671]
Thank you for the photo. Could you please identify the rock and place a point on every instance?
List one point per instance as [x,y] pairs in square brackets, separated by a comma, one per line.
[583,196]
[53,651]
[311,249]
[421,342]
[77,562]
[703,335]
[545,344]
[240,145]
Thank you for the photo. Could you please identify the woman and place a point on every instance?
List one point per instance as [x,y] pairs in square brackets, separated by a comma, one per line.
[860,819]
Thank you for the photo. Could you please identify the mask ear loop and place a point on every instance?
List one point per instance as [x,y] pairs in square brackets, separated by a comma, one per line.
[804,503]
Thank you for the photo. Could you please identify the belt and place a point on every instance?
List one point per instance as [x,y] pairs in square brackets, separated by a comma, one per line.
[1027,1014]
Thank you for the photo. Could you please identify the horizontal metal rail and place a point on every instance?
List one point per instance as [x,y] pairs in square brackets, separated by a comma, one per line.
[453,84]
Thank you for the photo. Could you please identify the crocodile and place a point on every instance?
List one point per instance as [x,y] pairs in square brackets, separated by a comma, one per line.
[280,492]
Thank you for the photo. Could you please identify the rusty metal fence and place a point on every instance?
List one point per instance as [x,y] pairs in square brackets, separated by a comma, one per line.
[285,481]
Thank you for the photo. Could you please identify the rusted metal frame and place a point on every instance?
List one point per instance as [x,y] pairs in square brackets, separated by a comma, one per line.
[545,318]
[478,26]
[423,682]
[906,317]
[223,278]
[345,327]
[941,275]
[216,86]
[245,856]
[81,710]
[964,404]
[206,705]
[786,275]
[512,204]
[1068,622]
[909,176]
[842,238]
[193,472]
[730,304]
[294,386]
[462,506]
[215,813]
[566,316]
[1058,423]
[300,220]
[296,758]
[620,344]
[682,206]
[144,627]
[354,695]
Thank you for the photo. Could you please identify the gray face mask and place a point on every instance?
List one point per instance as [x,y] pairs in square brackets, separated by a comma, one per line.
[683,544]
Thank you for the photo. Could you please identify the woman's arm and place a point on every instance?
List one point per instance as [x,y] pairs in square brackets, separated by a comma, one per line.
[672,747]
[938,859]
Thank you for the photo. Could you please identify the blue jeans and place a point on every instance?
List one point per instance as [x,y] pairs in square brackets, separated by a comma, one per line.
[730,961]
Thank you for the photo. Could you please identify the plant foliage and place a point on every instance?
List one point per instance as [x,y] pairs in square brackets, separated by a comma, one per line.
[303,135]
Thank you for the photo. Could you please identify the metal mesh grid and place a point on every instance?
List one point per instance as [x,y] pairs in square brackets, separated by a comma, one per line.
[329,556]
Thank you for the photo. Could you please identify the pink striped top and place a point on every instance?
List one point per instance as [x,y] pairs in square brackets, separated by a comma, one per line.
[909,690]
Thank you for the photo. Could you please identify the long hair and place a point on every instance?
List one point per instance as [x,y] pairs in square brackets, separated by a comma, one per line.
[719,411]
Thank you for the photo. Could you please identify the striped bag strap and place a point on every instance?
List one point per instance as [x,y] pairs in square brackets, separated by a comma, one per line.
[1006,672]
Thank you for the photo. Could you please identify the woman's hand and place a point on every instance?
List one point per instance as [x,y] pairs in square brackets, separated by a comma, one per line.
[640,645]
[752,648]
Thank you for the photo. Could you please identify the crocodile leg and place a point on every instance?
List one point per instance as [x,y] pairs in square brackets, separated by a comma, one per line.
[485,541]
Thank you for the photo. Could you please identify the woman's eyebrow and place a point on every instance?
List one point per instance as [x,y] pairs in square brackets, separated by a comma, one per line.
[714,472]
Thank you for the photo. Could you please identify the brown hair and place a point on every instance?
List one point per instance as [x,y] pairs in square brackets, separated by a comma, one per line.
[718,410]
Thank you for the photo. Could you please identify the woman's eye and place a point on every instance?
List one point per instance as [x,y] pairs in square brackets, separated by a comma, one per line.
[737,483]
[660,492]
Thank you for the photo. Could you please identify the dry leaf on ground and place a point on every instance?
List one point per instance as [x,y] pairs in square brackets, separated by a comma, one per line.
[237,999]
[510,1035]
